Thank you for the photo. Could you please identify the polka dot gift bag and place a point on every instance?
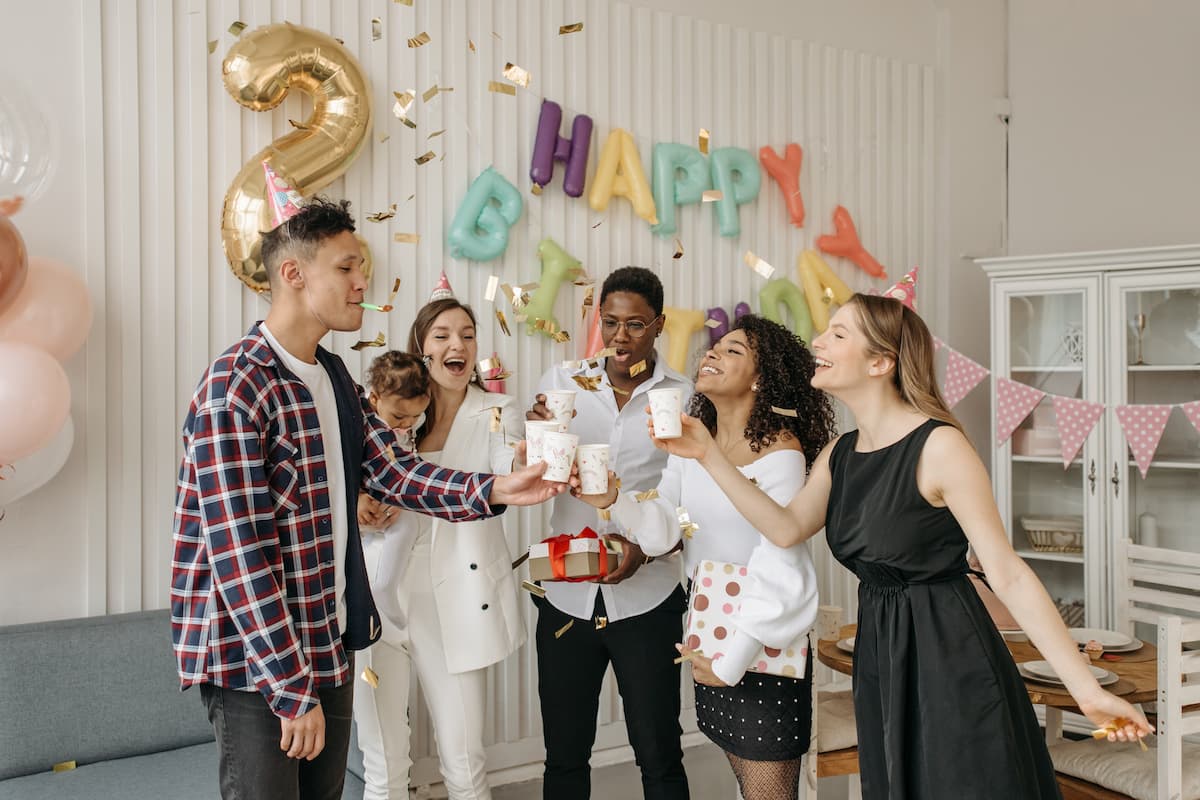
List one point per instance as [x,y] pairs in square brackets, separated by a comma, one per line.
[716,599]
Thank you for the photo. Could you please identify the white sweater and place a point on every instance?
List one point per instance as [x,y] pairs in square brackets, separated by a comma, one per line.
[779,600]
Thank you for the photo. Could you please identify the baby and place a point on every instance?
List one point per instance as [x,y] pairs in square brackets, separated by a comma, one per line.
[399,395]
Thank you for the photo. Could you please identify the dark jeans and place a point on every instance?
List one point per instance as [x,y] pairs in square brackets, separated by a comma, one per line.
[252,765]
[570,675]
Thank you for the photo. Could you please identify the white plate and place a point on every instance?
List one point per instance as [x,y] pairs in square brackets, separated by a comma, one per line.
[1042,671]
[1112,641]
[846,644]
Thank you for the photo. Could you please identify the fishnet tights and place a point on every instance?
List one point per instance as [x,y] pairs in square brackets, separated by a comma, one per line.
[767,780]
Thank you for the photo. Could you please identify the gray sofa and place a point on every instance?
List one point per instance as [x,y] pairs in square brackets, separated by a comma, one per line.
[103,692]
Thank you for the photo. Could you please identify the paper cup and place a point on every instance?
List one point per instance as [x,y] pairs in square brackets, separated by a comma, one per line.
[558,451]
[665,407]
[593,468]
[829,622]
[534,428]
[561,403]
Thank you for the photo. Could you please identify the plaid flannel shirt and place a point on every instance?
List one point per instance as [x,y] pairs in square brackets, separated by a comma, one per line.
[252,579]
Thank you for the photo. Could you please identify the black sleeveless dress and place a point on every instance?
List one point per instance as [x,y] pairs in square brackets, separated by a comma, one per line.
[941,711]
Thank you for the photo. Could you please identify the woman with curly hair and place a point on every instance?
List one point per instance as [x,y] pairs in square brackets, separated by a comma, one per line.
[761,721]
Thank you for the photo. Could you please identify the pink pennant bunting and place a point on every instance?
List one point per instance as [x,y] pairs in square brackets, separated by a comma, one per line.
[938,344]
[962,375]
[1075,419]
[1143,427]
[1192,412]
[1014,401]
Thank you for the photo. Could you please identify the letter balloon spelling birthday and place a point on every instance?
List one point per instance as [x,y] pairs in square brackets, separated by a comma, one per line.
[681,323]
[558,267]
[479,230]
[736,175]
[549,147]
[669,189]
[259,71]
[619,172]
[846,243]
[780,292]
[786,172]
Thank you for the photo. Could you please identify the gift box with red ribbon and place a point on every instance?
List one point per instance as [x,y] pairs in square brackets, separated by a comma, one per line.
[582,557]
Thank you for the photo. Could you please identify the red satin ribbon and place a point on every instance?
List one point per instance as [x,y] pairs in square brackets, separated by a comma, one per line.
[559,545]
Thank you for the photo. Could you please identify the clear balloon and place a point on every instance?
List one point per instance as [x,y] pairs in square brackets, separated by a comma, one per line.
[28,144]
[35,398]
[35,471]
[53,310]
[14,262]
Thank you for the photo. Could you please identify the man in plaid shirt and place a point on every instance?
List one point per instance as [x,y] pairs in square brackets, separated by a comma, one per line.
[269,590]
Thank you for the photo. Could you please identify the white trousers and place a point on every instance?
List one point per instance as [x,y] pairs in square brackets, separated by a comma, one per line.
[456,702]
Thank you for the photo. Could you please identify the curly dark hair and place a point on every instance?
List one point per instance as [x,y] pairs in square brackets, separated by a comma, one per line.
[639,281]
[399,373]
[785,368]
[301,236]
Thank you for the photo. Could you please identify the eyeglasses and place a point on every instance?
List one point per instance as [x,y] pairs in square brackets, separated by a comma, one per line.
[634,327]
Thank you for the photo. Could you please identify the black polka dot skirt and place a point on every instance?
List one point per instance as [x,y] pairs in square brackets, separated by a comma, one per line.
[763,718]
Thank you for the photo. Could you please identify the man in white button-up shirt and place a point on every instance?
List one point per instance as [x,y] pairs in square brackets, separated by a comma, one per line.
[633,618]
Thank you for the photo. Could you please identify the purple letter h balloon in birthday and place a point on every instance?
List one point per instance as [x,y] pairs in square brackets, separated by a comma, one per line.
[549,147]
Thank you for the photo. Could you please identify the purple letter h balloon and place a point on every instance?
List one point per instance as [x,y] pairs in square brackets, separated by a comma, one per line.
[549,147]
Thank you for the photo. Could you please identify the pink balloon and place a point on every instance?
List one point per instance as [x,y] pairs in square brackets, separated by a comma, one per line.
[35,398]
[52,310]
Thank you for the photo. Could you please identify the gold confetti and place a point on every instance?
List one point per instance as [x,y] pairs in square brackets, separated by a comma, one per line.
[588,301]
[685,522]
[785,412]
[370,677]
[303,126]
[434,91]
[604,514]
[471,45]
[558,633]
[649,494]
[711,195]
[758,265]
[237,27]
[63,766]
[521,560]
[712,323]
[598,224]
[212,46]
[703,141]
[535,189]
[502,88]
[517,75]
[617,483]
[435,134]
[574,27]
[378,341]
[376,29]
[589,383]
[492,284]
[561,337]
[410,197]
[637,369]
[395,291]
[487,365]
[418,40]
[404,101]
[607,352]
[533,588]
[380,216]
[497,36]
[503,322]
[406,238]
[409,122]
[383,137]
[495,425]
[404,2]
[678,250]
[430,156]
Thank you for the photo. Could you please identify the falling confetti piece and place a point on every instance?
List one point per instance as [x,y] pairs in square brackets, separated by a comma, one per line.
[704,141]
[637,369]
[606,352]
[497,36]
[370,677]
[574,27]
[63,766]
[383,137]
[685,522]
[561,337]
[558,633]
[410,197]
[378,341]
[376,29]
[471,45]
[409,122]
[380,216]
[303,126]
[649,494]
[495,426]
[535,189]
[678,250]
[785,412]
[758,265]
[404,2]
[425,159]
[517,75]
[604,516]
[237,27]
[418,40]
[487,365]
[598,224]
[533,588]
[588,301]
[407,238]
[521,560]
[212,46]
[492,284]
[502,88]
[589,383]
[711,195]
[395,291]
[436,134]
[503,322]
[711,323]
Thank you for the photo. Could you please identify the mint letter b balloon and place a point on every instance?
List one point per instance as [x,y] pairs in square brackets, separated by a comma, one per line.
[669,189]
[480,229]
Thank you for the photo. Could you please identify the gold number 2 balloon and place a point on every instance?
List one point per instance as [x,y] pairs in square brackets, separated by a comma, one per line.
[258,71]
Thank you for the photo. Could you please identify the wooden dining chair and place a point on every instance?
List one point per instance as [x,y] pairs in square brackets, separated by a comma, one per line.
[1170,769]
[1151,581]
[837,737]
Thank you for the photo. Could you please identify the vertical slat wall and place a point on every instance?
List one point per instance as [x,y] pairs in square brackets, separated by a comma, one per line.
[172,139]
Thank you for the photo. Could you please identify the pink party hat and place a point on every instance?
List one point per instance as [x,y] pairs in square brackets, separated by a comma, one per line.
[285,201]
[905,289]
[442,290]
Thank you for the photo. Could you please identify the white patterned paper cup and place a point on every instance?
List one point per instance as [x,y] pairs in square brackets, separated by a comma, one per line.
[558,451]
[665,407]
[561,403]
[593,468]
[534,428]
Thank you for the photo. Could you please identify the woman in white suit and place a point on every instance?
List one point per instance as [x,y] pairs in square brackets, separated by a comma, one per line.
[445,590]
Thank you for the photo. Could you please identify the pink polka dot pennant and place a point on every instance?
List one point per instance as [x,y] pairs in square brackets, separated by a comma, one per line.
[1075,419]
[962,375]
[1192,412]
[1143,427]
[1014,401]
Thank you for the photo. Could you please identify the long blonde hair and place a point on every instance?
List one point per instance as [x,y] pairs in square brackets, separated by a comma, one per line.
[895,331]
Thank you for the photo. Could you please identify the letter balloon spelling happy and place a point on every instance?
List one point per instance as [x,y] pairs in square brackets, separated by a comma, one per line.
[737,176]
[679,326]
[558,267]
[480,230]
[619,172]
[669,190]
[549,147]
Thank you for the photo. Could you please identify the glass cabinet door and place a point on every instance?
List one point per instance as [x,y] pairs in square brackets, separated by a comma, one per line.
[1051,342]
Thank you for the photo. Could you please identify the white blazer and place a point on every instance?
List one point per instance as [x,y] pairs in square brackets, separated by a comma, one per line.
[473,583]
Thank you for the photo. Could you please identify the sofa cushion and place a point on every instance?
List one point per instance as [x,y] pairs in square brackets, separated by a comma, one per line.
[89,690]
[189,773]
[1124,768]
[835,721]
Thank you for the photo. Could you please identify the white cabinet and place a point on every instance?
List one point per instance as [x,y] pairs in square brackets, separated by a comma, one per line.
[1116,327]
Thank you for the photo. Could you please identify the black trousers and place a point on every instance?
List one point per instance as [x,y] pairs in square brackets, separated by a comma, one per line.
[252,765]
[571,671]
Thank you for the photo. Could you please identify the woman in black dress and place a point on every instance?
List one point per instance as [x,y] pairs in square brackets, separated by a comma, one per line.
[941,710]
